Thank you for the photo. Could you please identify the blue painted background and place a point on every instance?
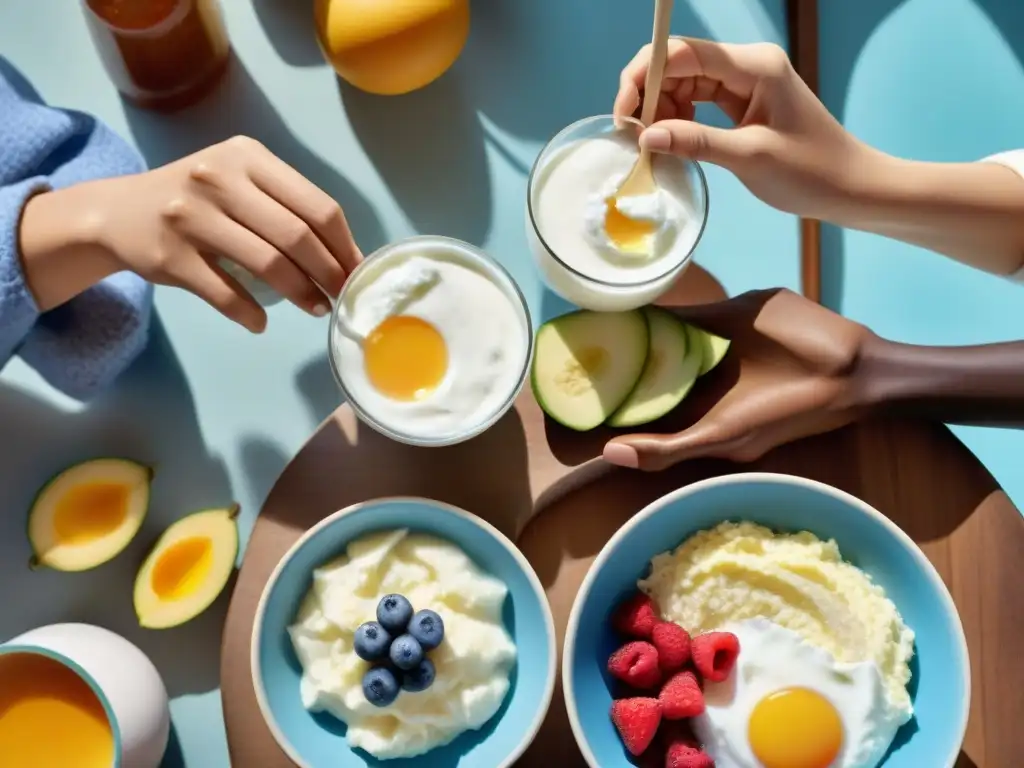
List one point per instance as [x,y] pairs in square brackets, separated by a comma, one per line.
[930,80]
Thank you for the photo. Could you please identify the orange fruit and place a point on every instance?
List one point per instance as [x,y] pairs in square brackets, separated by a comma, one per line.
[390,47]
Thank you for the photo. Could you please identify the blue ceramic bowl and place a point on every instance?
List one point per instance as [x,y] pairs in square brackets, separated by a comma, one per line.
[941,684]
[318,741]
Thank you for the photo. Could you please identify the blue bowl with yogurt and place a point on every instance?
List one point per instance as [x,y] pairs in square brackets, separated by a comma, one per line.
[319,740]
[940,686]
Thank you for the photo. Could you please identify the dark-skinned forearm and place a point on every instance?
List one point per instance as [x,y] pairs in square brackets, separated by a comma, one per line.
[982,385]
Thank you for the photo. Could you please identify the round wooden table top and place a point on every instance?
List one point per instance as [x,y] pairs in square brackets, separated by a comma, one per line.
[917,474]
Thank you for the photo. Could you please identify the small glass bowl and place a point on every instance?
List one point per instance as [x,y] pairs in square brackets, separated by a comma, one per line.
[575,286]
[459,251]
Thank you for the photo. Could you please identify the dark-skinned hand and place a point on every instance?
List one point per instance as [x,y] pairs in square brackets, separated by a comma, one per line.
[791,371]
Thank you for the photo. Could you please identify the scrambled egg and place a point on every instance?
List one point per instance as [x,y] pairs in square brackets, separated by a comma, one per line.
[740,571]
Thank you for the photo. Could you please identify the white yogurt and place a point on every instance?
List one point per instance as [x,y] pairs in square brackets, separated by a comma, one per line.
[568,195]
[474,307]
[473,662]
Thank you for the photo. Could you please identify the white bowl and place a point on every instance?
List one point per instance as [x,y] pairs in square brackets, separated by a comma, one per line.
[123,679]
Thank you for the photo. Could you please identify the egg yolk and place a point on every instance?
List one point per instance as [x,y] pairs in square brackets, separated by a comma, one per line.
[795,728]
[628,234]
[405,357]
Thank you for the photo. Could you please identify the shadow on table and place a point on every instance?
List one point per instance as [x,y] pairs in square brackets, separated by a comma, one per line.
[149,416]
[695,286]
[318,388]
[238,106]
[521,72]
[534,66]
[428,147]
[1008,18]
[174,757]
[291,29]
[836,70]
[927,517]
[346,462]
[837,67]
[263,461]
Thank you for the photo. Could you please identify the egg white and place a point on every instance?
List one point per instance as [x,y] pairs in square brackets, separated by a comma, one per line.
[773,658]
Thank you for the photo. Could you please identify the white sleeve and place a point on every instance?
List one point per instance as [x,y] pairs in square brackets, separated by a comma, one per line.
[1014,160]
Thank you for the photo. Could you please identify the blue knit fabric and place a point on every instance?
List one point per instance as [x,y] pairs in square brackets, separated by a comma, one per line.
[83,345]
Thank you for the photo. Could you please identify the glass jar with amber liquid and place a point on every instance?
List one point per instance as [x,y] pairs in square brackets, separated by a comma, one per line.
[161,54]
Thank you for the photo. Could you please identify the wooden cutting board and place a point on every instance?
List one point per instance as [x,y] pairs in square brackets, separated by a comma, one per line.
[917,474]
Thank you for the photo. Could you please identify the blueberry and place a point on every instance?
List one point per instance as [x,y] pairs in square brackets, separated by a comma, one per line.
[405,652]
[394,612]
[420,677]
[428,629]
[372,641]
[380,686]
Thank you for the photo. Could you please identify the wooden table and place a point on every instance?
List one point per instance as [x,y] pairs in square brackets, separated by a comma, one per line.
[537,482]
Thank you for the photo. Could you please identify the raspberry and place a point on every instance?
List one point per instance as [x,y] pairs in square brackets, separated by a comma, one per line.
[681,696]
[714,654]
[637,722]
[682,754]
[635,617]
[673,644]
[636,664]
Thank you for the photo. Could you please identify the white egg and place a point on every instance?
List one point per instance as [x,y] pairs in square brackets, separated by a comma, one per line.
[774,659]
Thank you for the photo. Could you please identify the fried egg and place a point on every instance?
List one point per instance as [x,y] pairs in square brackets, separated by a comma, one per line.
[789,704]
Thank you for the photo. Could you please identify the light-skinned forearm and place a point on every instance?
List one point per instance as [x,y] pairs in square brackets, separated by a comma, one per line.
[60,248]
[972,212]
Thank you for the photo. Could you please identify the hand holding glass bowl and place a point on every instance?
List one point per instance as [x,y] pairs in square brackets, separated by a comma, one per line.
[430,341]
[605,253]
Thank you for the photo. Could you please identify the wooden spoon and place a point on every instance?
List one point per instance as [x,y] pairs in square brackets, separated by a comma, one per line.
[641,179]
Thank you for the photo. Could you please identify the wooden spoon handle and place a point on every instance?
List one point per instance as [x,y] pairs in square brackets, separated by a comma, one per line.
[659,52]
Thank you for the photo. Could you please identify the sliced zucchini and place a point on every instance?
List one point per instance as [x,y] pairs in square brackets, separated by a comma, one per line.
[713,349]
[586,363]
[673,363]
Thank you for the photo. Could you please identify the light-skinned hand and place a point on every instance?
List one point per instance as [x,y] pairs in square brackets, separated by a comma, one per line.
[784,146]
[234,201]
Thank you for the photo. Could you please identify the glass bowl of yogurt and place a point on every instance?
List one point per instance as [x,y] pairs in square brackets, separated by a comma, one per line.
[600,251]
[333,700]
[430,341]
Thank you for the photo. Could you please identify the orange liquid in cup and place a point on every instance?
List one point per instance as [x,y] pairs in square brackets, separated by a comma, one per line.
[50,717]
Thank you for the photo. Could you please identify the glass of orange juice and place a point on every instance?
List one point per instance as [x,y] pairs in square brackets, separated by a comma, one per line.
[78,695]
